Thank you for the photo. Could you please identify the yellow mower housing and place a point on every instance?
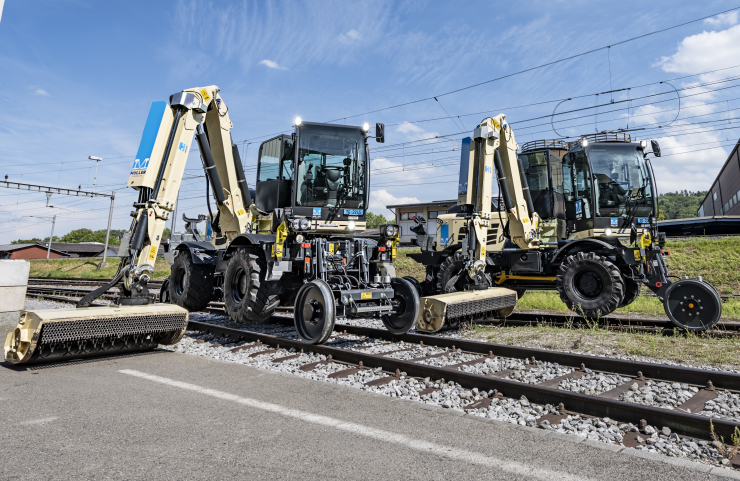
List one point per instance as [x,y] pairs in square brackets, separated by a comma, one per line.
[61,334]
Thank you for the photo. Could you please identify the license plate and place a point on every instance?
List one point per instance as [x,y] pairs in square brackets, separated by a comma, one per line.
[354,211]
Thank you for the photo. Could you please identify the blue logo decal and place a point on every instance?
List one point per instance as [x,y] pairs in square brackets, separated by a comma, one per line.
[317,211]
[444,234]
[579,207]
[487,169]
[183,147]
[642,220]
[149,136]
[353,211]
[140,164]
[615,221]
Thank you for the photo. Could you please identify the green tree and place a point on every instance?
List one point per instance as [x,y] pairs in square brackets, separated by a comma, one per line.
[34,240]
[167,232]
[376,220]
[680,204]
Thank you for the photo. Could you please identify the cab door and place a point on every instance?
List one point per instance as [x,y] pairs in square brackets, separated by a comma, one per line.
[274,174]
[578,192]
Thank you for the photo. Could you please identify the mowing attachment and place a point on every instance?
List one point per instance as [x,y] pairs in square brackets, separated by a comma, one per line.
[65,334]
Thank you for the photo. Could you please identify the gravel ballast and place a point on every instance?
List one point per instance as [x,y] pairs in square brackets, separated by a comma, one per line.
[592,383]
[664,395]
[452,396]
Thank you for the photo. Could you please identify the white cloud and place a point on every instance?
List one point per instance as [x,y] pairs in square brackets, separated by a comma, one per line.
[42,93]
[407,127]
[414,132]
[350,36]
[272,64]
[685,165]
[729,18]
[706,51]
[379,199]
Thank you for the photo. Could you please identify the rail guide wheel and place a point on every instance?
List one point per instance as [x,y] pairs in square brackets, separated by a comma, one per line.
[692,304]
[407,305]
[314,312]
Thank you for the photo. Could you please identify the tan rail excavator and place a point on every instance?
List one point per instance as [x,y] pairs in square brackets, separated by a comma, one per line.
[578,217]
[294,243]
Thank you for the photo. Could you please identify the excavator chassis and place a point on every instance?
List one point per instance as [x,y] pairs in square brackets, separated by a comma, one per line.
[62,334]
[449,310]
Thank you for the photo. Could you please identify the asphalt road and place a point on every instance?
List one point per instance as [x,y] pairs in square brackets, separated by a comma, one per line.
[165,415]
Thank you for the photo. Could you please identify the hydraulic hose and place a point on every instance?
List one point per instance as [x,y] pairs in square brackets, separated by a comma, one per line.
[209,165]
[525,187]
[502,187]
[240,177]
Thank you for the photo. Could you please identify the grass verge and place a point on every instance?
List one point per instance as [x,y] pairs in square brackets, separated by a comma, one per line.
[690,348]
[85,268]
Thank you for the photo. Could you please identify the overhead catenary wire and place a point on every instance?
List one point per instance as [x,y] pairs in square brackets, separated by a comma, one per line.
[547,64]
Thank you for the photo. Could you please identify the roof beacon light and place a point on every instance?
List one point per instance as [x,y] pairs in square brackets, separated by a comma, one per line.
[297,121]
[365,127]
[584,143]
[643,144]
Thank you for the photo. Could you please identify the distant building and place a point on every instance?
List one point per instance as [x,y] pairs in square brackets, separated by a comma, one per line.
[405,214]
[724,196]
[29,251]
[83,249]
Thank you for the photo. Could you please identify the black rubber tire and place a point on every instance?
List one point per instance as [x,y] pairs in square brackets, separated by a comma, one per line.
[590,285]
[164,292]
[631,291]
[248,298]
[191,285]
[405,317]
[678,303]
[450,267]
[415,282]
[314,312]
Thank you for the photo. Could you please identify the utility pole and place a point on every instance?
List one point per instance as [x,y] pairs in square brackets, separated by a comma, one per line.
[51,237]
[107,232]
[97,161]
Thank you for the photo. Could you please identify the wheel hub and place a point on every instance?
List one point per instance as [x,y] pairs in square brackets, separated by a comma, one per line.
[317,312]
[690,305]
[589,284]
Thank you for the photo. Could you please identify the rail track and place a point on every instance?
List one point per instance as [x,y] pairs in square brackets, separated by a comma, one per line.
[57,289]
[347,345]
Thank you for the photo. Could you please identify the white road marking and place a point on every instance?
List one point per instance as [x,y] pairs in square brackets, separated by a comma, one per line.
[450,452]
[40,421]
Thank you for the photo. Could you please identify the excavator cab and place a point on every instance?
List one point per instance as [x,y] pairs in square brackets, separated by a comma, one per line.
[608,186]
[542,166]
[325,177]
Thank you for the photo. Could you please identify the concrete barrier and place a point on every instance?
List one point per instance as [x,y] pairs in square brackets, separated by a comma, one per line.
[13,284]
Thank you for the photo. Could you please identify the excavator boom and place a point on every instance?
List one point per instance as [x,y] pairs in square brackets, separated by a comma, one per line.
[136,323]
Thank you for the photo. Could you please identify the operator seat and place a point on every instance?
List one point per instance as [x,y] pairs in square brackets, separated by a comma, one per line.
[333,184]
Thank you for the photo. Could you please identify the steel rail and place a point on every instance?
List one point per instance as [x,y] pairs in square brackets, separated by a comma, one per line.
[680,422]
[683,423]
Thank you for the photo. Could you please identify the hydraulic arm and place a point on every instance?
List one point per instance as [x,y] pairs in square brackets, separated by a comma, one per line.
[157,172]
[494,144]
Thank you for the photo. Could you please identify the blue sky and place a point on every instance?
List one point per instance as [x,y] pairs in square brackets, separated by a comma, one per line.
[78,77]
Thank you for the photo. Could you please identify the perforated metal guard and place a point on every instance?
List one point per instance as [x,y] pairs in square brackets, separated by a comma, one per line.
[102,327]
[471,308]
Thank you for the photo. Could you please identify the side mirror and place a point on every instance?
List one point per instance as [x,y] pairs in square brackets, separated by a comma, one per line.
[380,133]
[656,148]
